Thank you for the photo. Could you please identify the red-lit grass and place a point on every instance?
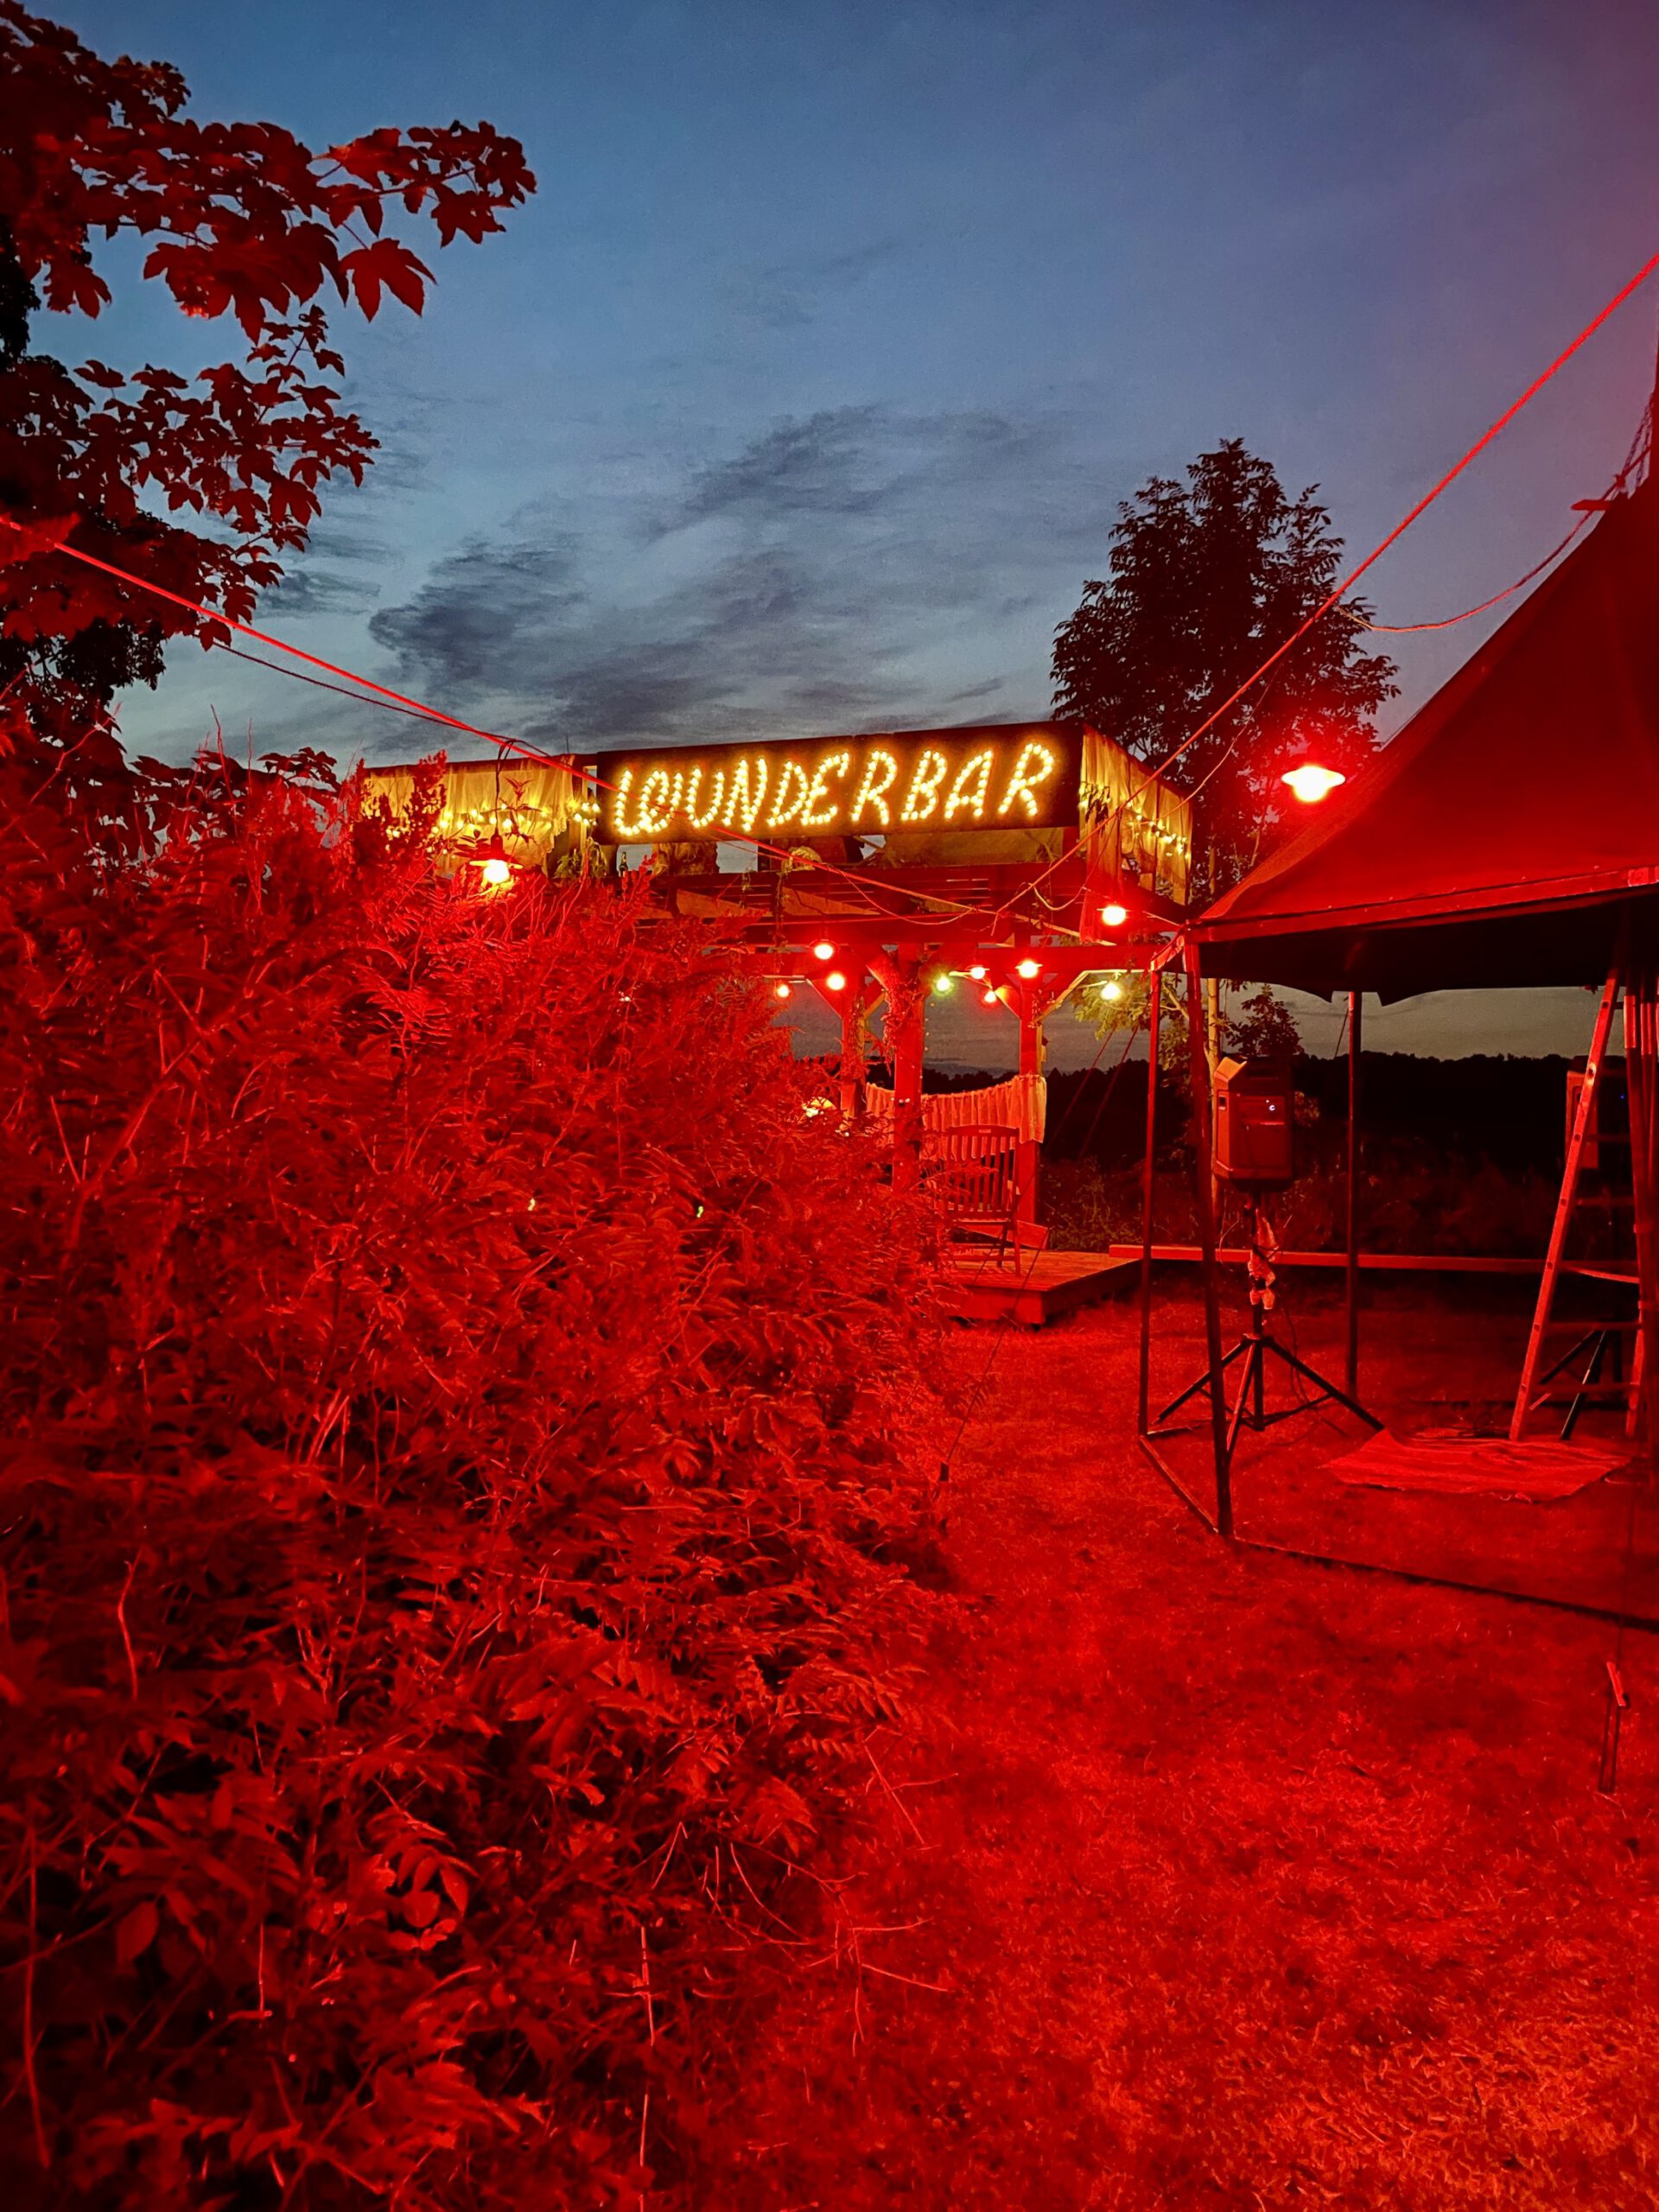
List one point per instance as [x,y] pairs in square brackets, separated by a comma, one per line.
[1253,1884]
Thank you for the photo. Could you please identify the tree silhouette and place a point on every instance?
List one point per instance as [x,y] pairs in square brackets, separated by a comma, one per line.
[1205,579]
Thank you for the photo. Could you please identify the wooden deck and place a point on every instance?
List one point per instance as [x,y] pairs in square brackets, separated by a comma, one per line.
[1033,1287]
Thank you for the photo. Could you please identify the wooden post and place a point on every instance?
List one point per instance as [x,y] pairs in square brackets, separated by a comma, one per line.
[1583,1122]
[906,1041]
[1198,1064]
[1351,1373]
[855,1057]
[1031,1063]
[1154,1007]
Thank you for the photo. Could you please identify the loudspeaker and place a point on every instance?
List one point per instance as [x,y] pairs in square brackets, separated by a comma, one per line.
[1255,1123]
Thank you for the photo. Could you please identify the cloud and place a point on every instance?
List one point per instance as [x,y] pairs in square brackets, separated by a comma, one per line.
[828,464]
[483,615]
[335,575]
[850,568]
[790,294]
[318,591]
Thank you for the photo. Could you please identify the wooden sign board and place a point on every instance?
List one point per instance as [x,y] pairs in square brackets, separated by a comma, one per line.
[1011,776]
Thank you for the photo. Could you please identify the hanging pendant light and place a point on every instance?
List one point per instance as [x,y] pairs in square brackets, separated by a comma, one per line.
[1310,782]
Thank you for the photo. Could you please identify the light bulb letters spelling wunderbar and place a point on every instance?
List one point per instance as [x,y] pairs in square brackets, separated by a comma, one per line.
[985,779]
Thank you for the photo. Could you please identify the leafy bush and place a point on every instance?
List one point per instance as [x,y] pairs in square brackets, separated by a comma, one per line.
[461,1431]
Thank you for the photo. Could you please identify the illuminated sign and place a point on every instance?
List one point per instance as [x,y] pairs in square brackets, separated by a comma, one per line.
[1017,776]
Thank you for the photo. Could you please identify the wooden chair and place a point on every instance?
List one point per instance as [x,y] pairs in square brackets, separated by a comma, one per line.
[971,1175]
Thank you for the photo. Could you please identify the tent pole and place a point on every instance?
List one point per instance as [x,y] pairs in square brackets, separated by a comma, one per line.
[1154,1007]
[1350,1372]
[1212,1057]
[1198,1062]
[1641,1034]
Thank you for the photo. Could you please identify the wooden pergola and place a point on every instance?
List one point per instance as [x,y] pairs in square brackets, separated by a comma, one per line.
[1019,856]
[1011,858]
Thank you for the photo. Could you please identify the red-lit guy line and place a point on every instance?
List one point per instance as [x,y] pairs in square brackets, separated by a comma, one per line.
[958,911]
[1341,590]
[1399,530]
[1640,445]
[404,705]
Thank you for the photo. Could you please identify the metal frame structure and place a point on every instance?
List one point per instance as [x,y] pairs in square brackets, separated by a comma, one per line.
[1641,985]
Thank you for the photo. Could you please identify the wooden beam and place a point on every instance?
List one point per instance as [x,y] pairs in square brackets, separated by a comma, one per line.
[1448,1263]
[1030,1063]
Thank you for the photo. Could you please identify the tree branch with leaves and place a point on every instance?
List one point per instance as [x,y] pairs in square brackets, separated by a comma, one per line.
[242,221]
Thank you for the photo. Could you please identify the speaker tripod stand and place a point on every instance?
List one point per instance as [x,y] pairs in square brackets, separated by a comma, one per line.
[1257,1345]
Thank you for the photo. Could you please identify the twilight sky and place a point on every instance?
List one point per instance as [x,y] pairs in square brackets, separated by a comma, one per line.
[801,396]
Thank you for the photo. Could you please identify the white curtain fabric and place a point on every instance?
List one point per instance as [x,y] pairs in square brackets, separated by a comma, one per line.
[1020,1104]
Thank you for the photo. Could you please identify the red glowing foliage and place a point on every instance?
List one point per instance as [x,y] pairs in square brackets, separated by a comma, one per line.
[461,1427]
[245,221]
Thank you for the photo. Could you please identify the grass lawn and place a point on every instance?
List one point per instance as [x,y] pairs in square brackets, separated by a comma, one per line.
[1243,1883]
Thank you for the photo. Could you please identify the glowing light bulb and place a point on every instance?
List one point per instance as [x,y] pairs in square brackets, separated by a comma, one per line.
[496,870]
[780,990]
[1311,783]
[990,998]
[978,973]
[824,949]
[1030,967]
[1112,990]
[834,981]
[943,985]
[1114,916]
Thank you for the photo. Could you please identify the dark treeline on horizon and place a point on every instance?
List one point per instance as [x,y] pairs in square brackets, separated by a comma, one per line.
[1509,1108]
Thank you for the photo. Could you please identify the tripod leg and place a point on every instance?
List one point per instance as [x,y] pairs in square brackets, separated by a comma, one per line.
[1590,1337]
[1193,1389]
[1249,1387]
[1329,1388]
[1587,1382]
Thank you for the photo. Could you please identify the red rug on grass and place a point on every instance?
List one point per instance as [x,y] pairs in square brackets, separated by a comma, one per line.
[1442,1459]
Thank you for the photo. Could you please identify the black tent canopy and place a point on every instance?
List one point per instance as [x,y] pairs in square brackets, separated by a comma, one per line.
[1510,831]
[1509,836]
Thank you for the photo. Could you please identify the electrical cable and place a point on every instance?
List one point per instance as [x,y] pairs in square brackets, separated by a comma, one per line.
[239,652]
[1637,452]
[958,911]
[384,694]
[1340,590]
[1451,621]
